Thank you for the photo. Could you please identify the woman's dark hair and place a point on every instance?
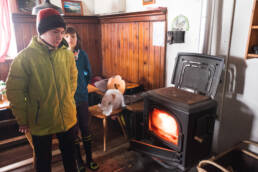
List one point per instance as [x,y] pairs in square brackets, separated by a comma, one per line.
[71,30]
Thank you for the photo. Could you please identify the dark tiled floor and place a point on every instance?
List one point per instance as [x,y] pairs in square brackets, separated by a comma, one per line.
[118,157]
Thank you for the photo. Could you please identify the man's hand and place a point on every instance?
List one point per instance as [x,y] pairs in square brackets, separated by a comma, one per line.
[23,129]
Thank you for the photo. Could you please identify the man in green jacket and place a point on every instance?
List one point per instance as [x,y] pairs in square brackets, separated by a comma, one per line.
[41,86]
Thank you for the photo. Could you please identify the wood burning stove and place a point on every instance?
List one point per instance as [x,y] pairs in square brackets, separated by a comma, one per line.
[179,124]
[179,121]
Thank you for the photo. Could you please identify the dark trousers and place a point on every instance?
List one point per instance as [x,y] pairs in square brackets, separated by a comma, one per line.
[43,150]
[83,120]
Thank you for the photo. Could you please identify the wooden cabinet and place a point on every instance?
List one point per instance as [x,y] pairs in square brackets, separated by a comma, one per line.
[253,33]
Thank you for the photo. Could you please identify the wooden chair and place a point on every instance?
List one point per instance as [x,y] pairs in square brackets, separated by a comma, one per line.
[96,112]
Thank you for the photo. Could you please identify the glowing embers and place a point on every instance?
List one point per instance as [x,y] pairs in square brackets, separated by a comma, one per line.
[164,125]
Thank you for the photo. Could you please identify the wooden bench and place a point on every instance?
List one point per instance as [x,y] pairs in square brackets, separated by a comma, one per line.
[95,111]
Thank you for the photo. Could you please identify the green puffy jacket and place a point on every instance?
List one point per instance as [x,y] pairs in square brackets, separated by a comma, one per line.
[41,86]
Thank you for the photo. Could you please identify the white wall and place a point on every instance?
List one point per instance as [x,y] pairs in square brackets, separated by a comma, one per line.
[91,7]
[239,118]
[109,6]
[88,5]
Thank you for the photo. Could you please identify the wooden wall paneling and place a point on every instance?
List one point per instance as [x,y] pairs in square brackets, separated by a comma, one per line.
[117,48]
[125,57]
[82,30]
[98,55]
[152,64]
[96,48]
[93,48]
[157,64]
[134,65]
[90,44]
[130,52]
[120,47]
[18,36]
[24,28]
[3,70]
[109,50]
[162,70]
[135,57]
[91,40]
[120,43]
[4,66]
[146,53]
[106,55]
[106,52]
[28,30]
[103,47]
[114,42]
[23,34]
[121,58]
[26,35]
[112,49]
[141,59]
[85,43]
[151,15]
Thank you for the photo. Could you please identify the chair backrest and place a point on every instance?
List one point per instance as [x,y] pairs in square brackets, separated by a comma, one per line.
[198,72]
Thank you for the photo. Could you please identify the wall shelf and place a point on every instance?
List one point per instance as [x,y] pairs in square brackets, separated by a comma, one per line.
[255,27]
[249,55]
[253,33]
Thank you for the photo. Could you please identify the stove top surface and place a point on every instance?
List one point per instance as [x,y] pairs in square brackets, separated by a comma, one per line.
[180,96]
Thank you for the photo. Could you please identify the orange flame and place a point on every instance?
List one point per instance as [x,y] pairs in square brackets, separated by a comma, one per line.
[164,125]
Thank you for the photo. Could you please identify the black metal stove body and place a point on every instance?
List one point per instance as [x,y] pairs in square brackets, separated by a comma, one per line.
[191,115]
[194,115]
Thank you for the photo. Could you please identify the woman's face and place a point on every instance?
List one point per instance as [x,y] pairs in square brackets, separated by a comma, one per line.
[71,40]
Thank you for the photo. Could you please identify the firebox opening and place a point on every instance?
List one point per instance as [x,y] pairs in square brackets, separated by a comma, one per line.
[164,125]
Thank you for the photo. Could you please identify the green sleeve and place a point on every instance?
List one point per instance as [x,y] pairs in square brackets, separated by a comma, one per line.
[17,89]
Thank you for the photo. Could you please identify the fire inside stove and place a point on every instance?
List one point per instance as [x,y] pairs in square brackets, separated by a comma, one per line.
[164,125]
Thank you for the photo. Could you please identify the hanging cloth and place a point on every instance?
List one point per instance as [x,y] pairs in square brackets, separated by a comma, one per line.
[5,29]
